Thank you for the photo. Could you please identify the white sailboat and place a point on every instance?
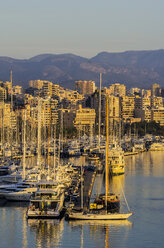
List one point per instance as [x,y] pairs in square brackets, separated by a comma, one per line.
[104,214]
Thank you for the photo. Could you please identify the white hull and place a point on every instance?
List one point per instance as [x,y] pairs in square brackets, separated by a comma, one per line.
[24,195]
[49,213]
[43,214]
[109,216]
[17,197]
[156,149]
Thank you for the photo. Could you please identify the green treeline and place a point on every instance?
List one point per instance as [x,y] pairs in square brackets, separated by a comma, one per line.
[143,128]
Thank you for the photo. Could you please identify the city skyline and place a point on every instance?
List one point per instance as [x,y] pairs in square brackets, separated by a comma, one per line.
[83,28]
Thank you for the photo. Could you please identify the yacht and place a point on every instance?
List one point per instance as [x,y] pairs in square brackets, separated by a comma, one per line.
[157,146]
[47,201]
[116,160]
[20,195]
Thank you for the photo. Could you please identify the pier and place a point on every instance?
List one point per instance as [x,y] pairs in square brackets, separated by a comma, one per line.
[88,182]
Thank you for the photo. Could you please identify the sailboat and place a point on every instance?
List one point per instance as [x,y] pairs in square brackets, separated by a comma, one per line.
[103,214]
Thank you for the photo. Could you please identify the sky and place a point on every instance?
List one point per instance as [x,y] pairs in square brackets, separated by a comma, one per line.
[81,27]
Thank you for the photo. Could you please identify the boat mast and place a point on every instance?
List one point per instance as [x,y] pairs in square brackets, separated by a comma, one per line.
[61,131]
[24,145]
[54,147]
[2,129]
[39,134]
[82,180]
[11,80]
[107,148]
[49,129]
[100,110]
[11,108]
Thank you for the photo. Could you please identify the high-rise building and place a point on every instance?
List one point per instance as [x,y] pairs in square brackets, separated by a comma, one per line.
[3,94]
[118,89]
[146,102]
[144,114]
[156,102]
[146,93]
[127,107]
[84,117]
[67,116]
[138,102]
[85,87]
[158,115]
[93,102]
[135,91]
[155,90]
[114,107]
[37,84]
[50,89]
[5,115]
[17,89]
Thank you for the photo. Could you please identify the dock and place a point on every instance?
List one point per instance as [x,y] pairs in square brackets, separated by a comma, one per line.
[88,182]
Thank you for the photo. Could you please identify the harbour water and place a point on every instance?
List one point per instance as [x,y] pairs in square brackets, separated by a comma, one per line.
[143,186]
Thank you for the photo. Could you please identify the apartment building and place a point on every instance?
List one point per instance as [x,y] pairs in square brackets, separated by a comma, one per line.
[127,107]
[85,117]
[118,89]
[85,87]
[157,115]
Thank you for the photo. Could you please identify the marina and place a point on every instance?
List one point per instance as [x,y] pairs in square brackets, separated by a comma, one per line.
[79,171]
[143,186]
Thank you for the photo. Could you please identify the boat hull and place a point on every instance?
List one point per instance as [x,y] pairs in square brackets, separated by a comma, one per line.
[116,172]
[108,216]
[43,214]
[20,197]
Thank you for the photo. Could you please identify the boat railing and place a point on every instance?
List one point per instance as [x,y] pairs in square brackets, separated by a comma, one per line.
[44,197]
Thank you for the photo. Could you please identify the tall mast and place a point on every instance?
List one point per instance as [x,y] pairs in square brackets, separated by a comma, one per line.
[24,145]
[100,110]
[54,146]
[2,129]
[61,128]
[11,80]
[49,130]
[39,133]
[82,181]
[107,148]
[11,108]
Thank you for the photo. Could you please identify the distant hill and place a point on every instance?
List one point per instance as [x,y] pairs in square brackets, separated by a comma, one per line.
[134,68]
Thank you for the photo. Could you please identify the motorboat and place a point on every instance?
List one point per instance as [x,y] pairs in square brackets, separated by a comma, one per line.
[116,160]
[157,146]
[47,201]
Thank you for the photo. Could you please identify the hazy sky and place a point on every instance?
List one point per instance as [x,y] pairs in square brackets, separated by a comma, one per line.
[82,27]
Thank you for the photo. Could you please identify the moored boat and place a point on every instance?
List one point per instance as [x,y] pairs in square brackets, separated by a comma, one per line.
[99,216]
[103,213]
[46,202]
[116,161]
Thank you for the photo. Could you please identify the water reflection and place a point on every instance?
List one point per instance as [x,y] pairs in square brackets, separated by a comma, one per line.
[48,232]
[13,225]
[100,232]
[147,164]
[143,186]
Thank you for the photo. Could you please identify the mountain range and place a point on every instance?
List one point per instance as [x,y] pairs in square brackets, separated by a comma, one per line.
[133,68]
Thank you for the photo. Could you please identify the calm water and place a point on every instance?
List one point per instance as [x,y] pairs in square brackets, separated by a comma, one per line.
[143,185]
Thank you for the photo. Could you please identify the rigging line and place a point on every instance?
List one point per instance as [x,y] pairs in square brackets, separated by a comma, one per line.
[124,196]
